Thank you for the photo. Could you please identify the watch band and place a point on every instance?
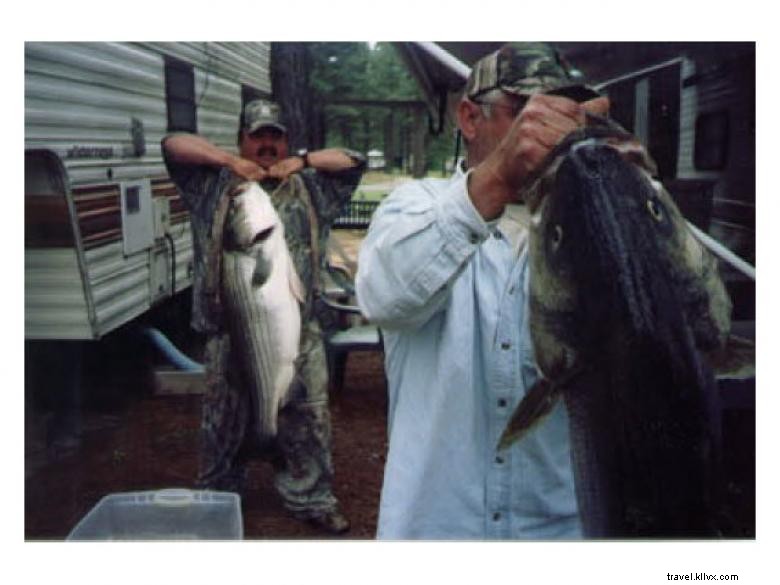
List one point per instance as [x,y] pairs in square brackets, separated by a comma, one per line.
[304,154]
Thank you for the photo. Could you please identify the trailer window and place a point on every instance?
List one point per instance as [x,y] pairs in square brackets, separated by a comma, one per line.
[180,95]
[132,200]
[663,111]
[710,152]
[622,106]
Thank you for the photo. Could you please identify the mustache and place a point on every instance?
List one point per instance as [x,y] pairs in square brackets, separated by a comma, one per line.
[267,151]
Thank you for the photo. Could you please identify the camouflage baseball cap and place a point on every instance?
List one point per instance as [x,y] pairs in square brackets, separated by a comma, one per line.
[259,113]
[525,69]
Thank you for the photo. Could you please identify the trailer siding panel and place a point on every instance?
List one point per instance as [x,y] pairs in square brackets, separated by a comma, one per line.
[54,303]
[101,108]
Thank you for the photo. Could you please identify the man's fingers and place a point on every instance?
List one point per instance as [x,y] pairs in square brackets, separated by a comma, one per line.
[556,127]
[569,108]
[248,170]
[599,105]
[554,104]
[278,172]
[549,137]
[253,174]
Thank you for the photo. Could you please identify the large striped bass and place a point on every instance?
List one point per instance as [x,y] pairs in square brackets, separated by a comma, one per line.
[262,294]
[622,299]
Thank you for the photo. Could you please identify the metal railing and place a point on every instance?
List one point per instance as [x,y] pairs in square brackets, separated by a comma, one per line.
[357,215]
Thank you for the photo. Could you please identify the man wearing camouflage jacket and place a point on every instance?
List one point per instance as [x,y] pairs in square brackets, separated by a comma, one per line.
[308,190]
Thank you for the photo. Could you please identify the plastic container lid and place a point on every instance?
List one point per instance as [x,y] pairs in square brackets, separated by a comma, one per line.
[169,514]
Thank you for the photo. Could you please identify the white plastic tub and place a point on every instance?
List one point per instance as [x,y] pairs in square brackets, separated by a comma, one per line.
[170,514]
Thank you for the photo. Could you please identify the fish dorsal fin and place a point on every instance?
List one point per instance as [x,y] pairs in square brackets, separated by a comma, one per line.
[534,406]
[296,286]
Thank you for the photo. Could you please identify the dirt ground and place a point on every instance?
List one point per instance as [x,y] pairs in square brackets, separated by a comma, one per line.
[132,440]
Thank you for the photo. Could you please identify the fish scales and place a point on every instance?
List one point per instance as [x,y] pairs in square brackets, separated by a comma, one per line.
[262,294]
[621,302]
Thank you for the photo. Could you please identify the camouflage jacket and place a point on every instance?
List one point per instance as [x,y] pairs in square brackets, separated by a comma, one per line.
[202,189]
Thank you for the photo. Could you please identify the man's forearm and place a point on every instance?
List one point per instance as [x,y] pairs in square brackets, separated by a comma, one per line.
[487,192]
[191,149]
[195,150]
[331,159]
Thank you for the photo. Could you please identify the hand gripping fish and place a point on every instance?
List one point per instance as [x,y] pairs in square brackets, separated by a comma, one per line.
[262,294]
[622,299]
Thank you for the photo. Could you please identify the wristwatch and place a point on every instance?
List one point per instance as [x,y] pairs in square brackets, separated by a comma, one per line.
[304,154]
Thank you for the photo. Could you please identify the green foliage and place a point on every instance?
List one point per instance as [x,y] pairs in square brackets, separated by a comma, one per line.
[337,68]
[354,71]
[387,77]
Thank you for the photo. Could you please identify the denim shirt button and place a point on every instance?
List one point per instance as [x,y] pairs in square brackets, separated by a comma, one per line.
[496,516]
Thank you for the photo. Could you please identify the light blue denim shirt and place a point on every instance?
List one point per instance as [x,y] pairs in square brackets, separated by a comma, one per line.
[449,291]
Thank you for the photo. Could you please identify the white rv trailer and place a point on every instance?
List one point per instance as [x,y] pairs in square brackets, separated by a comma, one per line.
[106,234]
[696,114]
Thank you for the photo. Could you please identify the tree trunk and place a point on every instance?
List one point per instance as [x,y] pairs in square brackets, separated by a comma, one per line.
[418,143]
[346,132]
[317,127]
[404,143]
[390,141]
[367,132]
[290,81]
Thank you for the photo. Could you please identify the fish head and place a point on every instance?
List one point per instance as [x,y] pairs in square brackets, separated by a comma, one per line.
[252,217]
[255,228]
[610,253]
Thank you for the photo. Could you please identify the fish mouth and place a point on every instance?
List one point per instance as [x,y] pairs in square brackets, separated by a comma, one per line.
[599,131]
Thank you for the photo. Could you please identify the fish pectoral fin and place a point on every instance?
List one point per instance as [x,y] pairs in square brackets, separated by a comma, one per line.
[263,267]
[537,403]
[736,360]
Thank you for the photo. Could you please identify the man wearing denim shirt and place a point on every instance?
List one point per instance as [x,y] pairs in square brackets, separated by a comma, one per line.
[444,272]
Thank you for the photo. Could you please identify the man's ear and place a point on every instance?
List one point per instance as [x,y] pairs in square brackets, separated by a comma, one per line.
[468,114]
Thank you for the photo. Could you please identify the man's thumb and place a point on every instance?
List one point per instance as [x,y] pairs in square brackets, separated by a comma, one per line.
[599,105]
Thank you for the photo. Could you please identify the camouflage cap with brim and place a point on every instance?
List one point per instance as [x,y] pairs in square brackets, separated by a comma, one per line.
[526,69]
[259,114]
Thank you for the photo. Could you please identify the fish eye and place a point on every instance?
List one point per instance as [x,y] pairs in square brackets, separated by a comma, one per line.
[655,209]
[557,236]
